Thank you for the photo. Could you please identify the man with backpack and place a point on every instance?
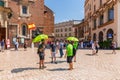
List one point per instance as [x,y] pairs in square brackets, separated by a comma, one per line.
[69,54]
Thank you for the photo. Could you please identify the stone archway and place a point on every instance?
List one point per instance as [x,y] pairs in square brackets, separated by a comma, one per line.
[110,35]
[94,37]
[100,36]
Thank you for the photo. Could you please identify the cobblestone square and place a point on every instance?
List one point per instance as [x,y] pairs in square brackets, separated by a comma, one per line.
[23,65]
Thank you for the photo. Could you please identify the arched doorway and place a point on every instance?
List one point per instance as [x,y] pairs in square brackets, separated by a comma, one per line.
[94,37]
[100,36]
[110,34]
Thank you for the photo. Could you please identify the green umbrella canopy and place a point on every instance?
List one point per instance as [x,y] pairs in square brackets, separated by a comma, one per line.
[72,39]
[40,37]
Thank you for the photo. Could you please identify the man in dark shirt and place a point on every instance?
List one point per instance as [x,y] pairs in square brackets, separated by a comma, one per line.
[53,52]
[41,54]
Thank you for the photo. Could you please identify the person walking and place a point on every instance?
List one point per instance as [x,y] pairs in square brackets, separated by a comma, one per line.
[25,46]
[61,49]
[69,55]
[16,44]
[113,47]
[2,45]
[41,53]
[53,52]
[93,48]
[97,46]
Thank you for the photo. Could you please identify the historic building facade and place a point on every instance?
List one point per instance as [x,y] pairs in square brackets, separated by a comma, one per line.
[79,30]
[65,29]
[23,13]
[102,20]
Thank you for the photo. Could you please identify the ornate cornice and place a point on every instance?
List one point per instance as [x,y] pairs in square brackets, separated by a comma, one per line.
[101,10]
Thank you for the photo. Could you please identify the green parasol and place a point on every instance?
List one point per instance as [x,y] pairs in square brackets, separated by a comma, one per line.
[72,39]
[40,37]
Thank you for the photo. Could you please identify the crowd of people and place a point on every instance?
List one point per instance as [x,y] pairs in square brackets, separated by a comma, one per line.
[55,47]
[70,54]
[15,43]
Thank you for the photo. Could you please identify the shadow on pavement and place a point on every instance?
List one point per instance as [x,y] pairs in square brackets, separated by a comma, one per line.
[57,69]
[61,61]
[56,61]
[22,69]
[16,50]
[89,54]
[1,70]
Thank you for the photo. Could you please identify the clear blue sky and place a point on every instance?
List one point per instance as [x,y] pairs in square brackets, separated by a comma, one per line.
[65,10]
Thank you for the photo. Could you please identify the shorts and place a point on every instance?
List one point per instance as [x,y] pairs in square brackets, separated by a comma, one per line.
[69,59]
[53,54]
[41,56]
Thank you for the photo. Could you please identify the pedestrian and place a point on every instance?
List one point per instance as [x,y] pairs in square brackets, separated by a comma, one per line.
[69,54]
[41,53]
[2,45]
[97,46]
[81,44]
[25,46]
[75,47]
[16,44]
[53,52]
[61,49]
[113,47]
[93,48]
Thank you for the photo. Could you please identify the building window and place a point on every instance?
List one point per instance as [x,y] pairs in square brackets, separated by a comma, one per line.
[24,9]
[69,29]
[65,34]
[111,14]
[56,30]
[101,19]
[65,29]
[2,3]
[24,30]
[69,34]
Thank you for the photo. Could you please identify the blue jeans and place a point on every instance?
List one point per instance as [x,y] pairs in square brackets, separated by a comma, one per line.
[61,52]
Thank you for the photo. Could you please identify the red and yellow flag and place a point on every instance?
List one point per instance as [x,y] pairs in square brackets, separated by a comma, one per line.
[31,26]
